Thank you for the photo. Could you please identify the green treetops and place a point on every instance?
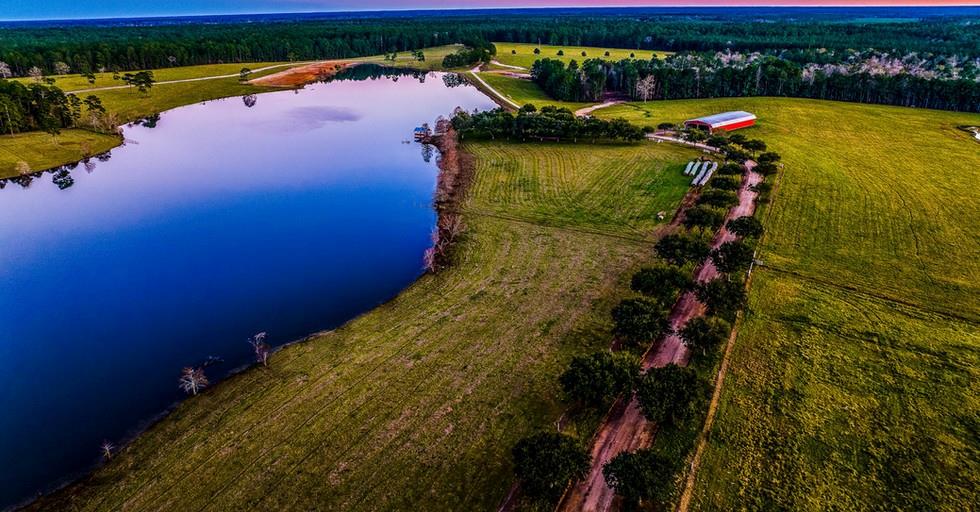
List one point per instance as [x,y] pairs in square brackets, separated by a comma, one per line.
[662,283]
[665,394]
[599,378]
[639,477]
[734,256]
[704,333]
[640,320]
[546,462]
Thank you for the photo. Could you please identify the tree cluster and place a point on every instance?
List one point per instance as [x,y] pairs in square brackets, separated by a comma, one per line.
[685,76]
[550,123]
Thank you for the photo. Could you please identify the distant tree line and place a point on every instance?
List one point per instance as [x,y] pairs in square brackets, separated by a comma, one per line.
[550,123]
[89,48]
[685,76]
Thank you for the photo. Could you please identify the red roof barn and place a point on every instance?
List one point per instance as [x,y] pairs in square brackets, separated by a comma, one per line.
[727,121]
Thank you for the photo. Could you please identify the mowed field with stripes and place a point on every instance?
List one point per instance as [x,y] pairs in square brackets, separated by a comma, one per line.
[855,376]
[421,400]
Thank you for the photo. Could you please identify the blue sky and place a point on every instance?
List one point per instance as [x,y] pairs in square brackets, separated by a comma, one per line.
[52,9]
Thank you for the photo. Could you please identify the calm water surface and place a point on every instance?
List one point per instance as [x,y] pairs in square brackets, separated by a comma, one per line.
[223,220]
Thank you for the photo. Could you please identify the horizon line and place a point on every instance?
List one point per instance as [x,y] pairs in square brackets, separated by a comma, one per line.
[505,8]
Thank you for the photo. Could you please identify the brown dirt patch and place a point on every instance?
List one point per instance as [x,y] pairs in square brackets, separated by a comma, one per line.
[302,75]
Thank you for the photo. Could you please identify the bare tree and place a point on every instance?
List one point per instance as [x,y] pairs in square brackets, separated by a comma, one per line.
[35,73]
[644,88]
[193,380]
[61,68]
[172,60]
[107,450]
[22,168]
[261,348]
[5,70]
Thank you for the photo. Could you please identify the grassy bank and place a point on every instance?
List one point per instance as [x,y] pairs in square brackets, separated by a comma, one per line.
[420,400]
[525,57]
[853,381]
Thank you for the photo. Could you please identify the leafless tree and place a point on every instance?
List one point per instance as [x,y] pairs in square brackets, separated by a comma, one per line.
[22,168]
[60,68]
[5,70]
[644,88]
[193,380]
[107,450]
[172,60]
[35,73]
[261,348]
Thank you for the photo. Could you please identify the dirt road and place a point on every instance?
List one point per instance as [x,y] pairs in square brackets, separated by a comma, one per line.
[495,94]
[625,428]
[589,110]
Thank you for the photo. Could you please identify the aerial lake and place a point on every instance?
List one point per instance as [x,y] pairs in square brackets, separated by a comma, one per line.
[287,212]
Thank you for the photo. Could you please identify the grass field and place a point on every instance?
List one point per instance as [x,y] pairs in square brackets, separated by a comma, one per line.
[420,400]
[525,56]
[523,92]
[854,378]
[43,151]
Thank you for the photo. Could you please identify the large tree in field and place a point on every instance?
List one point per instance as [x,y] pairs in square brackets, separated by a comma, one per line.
[640,320]
[679,249]
[546,462]
[705,217]
[745,226]
[665,394]
[734,256]
[704,333]
[599,378]
[662,283]
[641,478]
[722,297]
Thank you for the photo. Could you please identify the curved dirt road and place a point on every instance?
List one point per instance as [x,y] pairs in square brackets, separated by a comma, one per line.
[625,429]
[198,79]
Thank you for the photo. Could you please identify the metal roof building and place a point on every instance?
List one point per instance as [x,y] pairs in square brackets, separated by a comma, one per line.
[727,121]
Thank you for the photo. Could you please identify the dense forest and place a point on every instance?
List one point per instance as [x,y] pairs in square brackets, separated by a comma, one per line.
[87,48]
[910,81]
[38,106]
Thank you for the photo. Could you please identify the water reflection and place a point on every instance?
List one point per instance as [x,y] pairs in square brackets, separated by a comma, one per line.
[208,226]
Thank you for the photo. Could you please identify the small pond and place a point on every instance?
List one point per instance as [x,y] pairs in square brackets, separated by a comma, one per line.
[287,212]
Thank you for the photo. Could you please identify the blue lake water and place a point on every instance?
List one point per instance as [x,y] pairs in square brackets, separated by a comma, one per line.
[290,216]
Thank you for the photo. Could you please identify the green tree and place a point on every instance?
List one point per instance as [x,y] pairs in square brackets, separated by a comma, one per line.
[718,198]
[599,378]
[704,333]
[769,157]
[734,256]
[561,53]
[722,297]
[537,51]
[244,74]
[546,462]
[662,283]
[679,249]
[665,394]
[754,145]
[704,216]
[641,478]
[731,169]
[746,226]
[640,320]
[726,182]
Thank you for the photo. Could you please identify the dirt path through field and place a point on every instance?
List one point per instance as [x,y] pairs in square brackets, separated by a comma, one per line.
[301,75]
[586,111]
[625,429]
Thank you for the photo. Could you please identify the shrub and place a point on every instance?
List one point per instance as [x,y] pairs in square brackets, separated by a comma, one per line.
[704,216]
[746,226]
[599,378]
[705,333]
[537,51]
[665,126]
[679,249]
[722,297]
[546,462]
[718,198]
[665,394]
[661,283]
[641,477]
[561,53]
[639,320]
[766,169]
[734,256]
